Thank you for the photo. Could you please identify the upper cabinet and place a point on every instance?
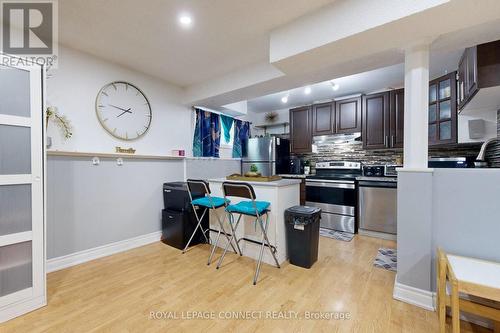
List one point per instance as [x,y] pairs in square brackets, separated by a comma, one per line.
[301,130]
[383,120]
[376,121]
[323,118]
[343,116]
[443,110]
[340,117]
[467,76]
[348,115]
[396,118]
[478,68]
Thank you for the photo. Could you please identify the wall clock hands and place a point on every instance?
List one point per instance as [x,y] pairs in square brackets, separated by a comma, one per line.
[119,108]
[125,111]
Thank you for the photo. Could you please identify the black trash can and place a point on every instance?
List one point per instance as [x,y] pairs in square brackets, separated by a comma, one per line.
[302,234]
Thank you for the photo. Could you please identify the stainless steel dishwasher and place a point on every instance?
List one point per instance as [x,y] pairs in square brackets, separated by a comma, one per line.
[377,204]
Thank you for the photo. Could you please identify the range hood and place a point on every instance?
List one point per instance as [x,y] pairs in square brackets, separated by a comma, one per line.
[336,138]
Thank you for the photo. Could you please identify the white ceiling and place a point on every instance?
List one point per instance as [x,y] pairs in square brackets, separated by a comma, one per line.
[145,35]
[376,80]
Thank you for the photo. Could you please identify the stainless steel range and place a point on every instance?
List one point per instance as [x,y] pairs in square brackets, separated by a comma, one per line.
[333,189]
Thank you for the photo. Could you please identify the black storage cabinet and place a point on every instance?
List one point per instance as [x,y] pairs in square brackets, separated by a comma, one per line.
[302,235]
[178,219]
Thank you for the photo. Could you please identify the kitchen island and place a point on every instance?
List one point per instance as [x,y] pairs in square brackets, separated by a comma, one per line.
[282,194]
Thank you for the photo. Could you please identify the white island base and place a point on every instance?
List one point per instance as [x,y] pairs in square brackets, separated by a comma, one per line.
[282,194]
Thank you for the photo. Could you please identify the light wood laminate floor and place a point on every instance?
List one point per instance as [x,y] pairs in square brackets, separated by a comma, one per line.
[119,292]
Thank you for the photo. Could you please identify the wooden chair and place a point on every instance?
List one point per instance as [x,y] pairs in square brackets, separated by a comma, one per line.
[474,287]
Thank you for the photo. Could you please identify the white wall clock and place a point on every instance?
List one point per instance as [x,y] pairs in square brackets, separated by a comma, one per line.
[123,110]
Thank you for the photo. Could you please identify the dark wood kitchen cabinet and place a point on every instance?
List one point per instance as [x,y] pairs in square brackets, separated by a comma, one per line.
[301,130]
[323,121]
[383,120]
[348,115]
[340,117]
[478,68]
[396,118]
[443,110]
[467,76]
[375,120]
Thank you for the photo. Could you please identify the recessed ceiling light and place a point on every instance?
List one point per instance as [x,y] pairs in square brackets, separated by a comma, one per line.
[307,90]
[185,20]
[284,99]
[335,86]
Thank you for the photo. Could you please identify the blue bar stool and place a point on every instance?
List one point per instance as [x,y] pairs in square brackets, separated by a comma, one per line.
[201,190]
[249,208]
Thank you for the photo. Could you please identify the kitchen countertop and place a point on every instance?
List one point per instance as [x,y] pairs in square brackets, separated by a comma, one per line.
[378,179]
[302,176]
[276,183]
[281,194]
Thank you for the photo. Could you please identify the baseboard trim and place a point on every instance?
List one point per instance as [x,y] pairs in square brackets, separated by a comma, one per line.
[21,308]
[418,297]
[76,258]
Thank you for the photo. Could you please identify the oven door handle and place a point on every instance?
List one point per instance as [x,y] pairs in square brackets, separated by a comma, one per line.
[330,181]
[329,184]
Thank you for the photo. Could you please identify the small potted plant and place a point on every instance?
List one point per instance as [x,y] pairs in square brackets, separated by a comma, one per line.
[254,171]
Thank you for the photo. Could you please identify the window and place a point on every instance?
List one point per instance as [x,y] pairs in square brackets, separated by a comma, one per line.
[223,141]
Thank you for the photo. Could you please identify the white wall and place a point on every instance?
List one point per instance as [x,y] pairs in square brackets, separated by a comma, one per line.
[259,118]
[457,210]
[490,124]
[73,88]
[90,207]
[207,168]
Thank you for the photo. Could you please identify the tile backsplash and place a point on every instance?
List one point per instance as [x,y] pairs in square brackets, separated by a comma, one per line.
[354,152]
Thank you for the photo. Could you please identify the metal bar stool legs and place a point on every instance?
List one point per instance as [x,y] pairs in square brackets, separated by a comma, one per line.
[222,230]
[264,242]
[201,190]
[253,208]
[264,238]
[198,225]
[233,237]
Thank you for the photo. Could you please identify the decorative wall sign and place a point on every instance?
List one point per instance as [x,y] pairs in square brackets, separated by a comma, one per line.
[125,150]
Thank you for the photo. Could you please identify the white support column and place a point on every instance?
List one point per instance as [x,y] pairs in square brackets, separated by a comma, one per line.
[416,111]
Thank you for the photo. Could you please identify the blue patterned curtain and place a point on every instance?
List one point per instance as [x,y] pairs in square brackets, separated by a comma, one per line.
[206,139]
[241,135]
[227,123]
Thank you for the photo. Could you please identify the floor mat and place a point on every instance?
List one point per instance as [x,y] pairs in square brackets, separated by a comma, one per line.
[386,259]
[338,235]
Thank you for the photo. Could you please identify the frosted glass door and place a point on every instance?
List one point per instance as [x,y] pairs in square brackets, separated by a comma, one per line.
[22,273]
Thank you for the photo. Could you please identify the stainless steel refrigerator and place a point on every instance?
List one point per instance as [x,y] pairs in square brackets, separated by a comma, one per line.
[271,155]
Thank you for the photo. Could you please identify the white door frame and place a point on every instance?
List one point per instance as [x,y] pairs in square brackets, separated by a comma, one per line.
[31,298]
